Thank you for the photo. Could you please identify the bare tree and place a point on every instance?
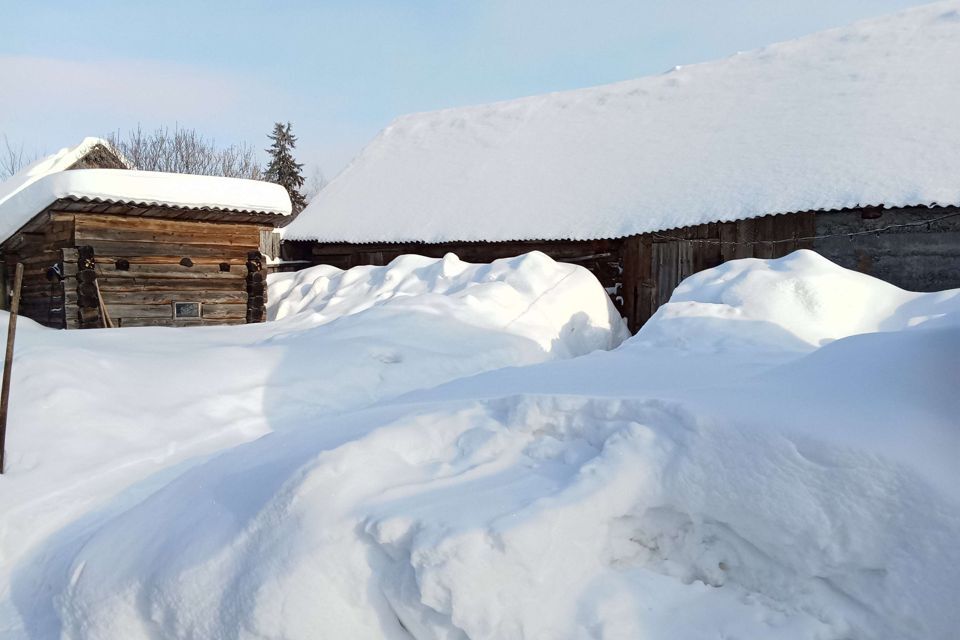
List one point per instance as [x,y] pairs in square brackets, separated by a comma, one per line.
[186,151]
[12,159]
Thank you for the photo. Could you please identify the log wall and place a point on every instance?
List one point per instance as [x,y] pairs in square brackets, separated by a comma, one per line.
[601,257]
[140,267]
[639,272]
[917,248]
[144,266]
[916,257]
[655,263]
[38,248]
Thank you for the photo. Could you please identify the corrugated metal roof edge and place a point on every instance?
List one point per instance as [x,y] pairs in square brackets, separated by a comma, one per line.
[154,203]
[929,205]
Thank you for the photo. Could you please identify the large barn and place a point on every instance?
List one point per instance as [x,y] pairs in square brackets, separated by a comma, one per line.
[846,142]
[107,246]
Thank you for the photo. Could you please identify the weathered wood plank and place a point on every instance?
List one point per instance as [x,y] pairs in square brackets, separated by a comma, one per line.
[214,311]
[167,272]
[66,205]
[128,249]
[169,297]
[184,232]
[108,283]
[745,235]
[764,235]
[234,261]
[93,221]
[685,253]
[169,322]
[630,290]
[711,253]
[140,310]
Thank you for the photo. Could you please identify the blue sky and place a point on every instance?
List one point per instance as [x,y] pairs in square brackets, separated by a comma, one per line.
[340,71]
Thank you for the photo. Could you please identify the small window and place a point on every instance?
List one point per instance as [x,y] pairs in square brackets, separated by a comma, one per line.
[186,309]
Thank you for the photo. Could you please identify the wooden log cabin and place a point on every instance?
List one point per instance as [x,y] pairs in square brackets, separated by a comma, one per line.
[106,246]
[810,144]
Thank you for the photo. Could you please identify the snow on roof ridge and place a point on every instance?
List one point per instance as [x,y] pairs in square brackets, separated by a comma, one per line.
[846,115]
[60,160]
[89,142]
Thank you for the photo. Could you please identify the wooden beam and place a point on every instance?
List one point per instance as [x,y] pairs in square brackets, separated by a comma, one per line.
[8,364]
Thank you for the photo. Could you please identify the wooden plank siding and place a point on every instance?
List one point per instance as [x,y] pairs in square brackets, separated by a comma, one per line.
[42,297]
[639,272]
[601,257]
[140,265]
[145,265]
[655,263]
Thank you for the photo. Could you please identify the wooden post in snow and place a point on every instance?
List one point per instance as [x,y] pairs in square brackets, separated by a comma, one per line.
[8,362]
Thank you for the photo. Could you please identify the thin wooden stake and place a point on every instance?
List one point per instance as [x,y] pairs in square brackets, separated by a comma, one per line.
[104,316]
[8,362]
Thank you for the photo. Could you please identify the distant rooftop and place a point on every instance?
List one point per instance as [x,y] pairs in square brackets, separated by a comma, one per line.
[65,175]
[863,115]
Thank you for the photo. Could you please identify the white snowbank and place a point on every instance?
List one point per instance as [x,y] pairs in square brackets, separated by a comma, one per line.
[812,492]
[804,298]
[555,305]
[860,115]
[102,418]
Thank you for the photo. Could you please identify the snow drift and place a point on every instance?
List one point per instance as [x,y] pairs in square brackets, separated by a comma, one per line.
[808,494]
[558,306]
[134,408]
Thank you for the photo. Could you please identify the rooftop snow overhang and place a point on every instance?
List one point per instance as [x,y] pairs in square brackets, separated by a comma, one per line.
[145,189]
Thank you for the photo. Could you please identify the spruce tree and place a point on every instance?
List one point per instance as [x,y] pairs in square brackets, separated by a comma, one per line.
[283,169]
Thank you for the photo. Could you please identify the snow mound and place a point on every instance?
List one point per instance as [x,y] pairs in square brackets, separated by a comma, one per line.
[137,407]
[556,305]
[811,496]
[800,301]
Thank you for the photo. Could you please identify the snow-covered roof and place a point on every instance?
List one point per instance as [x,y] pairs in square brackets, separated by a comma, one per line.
[54,163]
[860,115]
[33,189]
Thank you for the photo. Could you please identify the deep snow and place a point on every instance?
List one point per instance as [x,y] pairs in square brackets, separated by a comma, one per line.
[772,456]
[101,418]
[855,116]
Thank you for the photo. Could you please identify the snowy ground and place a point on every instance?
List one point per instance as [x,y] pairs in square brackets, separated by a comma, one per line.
[773,456]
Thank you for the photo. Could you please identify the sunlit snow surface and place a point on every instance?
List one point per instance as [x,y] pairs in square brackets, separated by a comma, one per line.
[860,115]
[773,456]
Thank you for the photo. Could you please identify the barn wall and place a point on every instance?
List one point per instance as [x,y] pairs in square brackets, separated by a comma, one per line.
[641,272]
[143,265]
[38,248]
[917,258]
[270,247]
[655,263]
[602,257]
